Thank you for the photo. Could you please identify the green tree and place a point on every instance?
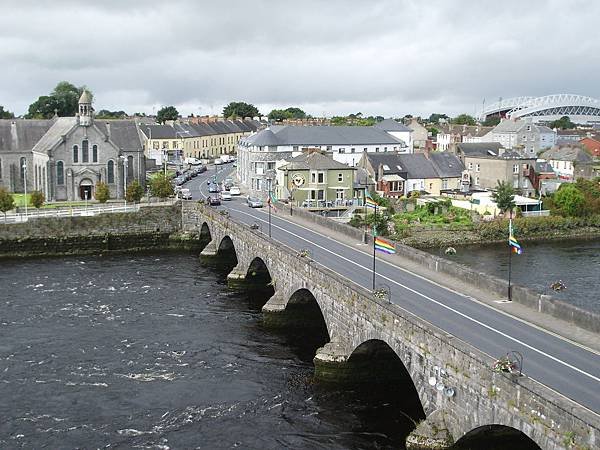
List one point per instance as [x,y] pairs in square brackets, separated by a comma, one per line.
[289,113]
[4,114]
[240,109]
[504,196]
[167,113]
[435,118]
[564,123]
[37,199]
[491,121]
[570,200]
[464,119]
[134,192]
[102,193]
[7,202]
[106,114]
[433,130]
[64,99]
[160,186]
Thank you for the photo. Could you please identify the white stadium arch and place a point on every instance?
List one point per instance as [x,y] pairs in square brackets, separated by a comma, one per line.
[579,108]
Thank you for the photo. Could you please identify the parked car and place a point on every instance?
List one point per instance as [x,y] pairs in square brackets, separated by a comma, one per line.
[228,183]
[213,188]
[185,194]
[254,202]
[234,190]
[213,201]
[201,169]
[225,196]
[218,162]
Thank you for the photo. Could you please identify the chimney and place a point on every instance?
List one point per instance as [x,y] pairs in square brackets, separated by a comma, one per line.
[108,130]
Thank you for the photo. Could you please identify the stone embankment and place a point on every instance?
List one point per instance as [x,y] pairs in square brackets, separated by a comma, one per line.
[152,227]
[488,283]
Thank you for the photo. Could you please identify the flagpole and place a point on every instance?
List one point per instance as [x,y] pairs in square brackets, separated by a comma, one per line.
[509,257]
[374,234]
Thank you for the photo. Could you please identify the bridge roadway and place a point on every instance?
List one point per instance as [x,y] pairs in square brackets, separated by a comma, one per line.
[566,367]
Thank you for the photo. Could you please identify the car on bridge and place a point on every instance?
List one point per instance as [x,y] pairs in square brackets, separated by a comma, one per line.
[225,196]
[254,202]
[213,201]
[235,190]
[213,188]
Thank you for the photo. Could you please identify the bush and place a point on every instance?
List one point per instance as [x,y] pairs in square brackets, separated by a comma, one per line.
[7,202]
[37,199]
[134,192]
[570,200]
[102,193]
[161,187]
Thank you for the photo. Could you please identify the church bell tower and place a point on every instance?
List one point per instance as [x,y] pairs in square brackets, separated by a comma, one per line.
[85,109]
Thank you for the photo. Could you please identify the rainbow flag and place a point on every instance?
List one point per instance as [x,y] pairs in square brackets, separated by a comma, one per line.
[514,244]
[370,203]
[384,246]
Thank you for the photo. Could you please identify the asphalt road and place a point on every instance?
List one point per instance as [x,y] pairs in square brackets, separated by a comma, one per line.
[566,367]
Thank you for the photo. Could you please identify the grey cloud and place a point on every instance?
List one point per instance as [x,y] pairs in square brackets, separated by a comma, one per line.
[336,56]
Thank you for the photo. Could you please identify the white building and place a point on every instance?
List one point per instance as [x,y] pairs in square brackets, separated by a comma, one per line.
[398,130]
[522,135]
[259,153]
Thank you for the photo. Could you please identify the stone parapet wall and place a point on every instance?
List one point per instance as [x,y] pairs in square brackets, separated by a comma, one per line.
[353,316]
[526,296]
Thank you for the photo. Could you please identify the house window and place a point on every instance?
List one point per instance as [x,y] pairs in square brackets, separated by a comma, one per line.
[94,153]
[156,145]
[352,150]
[339,194]
[313,177]
[174,144]
[321,177]
[395,186]
[60,173]
[271,165]
[476,181]
[516,168]
[340,177]
[386,167]
[444,183]
[329,148]
[130,168]
[470,166]
[385,149]
[295,148]
[365,149]
[516,183]
[477,167]
[377,149]
[110,172]
[75,154]
[341,150]
[165,144]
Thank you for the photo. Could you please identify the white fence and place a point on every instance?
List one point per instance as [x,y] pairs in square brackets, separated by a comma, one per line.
[91,210]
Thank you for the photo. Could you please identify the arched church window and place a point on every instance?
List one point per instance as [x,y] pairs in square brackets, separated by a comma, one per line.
[85,151]
[60,173]
[75,153]
[94,153]
[110,172]
[0,168]
[130,167]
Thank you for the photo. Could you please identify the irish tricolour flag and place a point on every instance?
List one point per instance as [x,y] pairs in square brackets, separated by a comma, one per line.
[384,246]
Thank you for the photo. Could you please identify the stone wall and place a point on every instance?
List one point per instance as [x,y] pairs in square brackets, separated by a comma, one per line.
[480,396]
[528,297]
[150,227]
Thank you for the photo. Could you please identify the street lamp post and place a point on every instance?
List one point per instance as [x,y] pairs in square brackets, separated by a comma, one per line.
[165,156]
[269,180]
[124,158]
[25,185]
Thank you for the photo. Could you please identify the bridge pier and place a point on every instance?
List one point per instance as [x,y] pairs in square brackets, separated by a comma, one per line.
[209,252]
[331,364]
[431,434]
[236,279]
[274,311]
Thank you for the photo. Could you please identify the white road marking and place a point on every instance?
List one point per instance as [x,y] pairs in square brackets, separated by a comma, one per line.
[553,358]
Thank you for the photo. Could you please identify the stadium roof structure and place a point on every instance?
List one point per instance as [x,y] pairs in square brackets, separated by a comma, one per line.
[580,109]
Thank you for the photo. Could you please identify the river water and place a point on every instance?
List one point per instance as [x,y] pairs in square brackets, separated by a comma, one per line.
[575,262]
[154,351]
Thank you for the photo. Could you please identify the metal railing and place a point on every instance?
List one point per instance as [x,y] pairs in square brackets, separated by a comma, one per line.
[90,210]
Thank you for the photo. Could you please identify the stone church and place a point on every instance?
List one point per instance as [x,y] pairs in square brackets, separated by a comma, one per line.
[64,157]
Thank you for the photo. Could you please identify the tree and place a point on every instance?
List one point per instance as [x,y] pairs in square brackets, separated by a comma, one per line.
[289,113]
[106,114]
[570,200]
[564,123]
[37,199]
[464,119]
[435,118]
[64,99]
[167,113]
[134,192]
[504,196]
[4,114]
[433,130]
[102,193]
[240,109]
[160,186]
[491,121]
[7,202]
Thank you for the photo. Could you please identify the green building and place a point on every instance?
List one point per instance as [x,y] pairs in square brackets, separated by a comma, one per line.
[316,180]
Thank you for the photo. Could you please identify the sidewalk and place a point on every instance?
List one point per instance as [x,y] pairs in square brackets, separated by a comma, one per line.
[518,311]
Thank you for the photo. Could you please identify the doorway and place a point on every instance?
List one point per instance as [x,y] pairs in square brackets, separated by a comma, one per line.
[86,189]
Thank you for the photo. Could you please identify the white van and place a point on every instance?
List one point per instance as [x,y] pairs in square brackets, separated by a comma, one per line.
[192,161]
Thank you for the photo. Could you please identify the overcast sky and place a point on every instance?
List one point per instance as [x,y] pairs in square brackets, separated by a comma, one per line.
[328,57]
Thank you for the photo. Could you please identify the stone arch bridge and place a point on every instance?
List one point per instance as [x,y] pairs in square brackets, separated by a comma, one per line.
[457,390]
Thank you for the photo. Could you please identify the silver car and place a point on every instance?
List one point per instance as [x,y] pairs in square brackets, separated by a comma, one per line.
[254,202]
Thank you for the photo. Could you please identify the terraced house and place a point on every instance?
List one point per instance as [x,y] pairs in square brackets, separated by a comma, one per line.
[65,157]
[195,139]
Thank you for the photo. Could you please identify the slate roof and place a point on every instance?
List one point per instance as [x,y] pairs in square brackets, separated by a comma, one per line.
[543,167]
[326,135]
[417,165]
[567,153]
[482,149]
[314,161]
[158,131]
[464,130]
[23,135]
[391,125]
[125,134]
[60,127]
[265,137]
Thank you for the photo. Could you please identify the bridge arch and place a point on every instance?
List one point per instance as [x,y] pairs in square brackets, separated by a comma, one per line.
[227,254]
[258,274]
[205,235]
[496,437]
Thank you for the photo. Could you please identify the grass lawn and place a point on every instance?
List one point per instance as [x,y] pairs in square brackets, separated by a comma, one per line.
[20,202]
[20,199]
